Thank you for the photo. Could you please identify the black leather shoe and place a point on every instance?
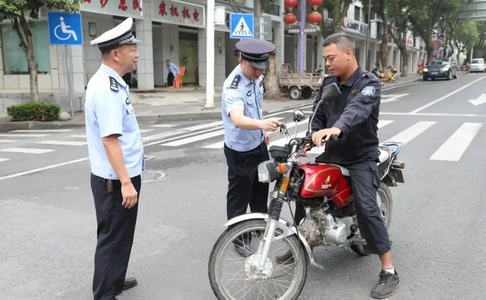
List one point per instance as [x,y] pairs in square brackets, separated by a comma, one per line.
[128,284]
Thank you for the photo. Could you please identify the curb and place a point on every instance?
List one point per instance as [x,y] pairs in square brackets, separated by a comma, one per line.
[9,126]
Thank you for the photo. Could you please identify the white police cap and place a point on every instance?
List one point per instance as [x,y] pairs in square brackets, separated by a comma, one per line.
[116,37]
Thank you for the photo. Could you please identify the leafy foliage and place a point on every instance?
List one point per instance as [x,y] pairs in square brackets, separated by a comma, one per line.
[34,111]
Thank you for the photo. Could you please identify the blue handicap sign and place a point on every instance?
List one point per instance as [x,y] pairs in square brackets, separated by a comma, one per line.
[65,28]
[241,26]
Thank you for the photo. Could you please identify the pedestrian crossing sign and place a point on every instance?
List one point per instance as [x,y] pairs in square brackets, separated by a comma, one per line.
[241,26]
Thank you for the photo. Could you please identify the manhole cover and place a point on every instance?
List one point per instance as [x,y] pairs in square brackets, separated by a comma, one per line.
[151,175]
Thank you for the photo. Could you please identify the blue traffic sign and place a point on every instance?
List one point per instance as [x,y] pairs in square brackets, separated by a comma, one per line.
[241,26]
[64,28]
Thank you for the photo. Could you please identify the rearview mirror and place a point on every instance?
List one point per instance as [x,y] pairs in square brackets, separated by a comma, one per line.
[330,92]
[299,115]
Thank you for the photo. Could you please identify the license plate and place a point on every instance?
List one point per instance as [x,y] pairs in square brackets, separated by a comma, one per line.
[434,73]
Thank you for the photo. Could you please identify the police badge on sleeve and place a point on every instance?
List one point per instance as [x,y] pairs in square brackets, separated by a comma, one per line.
[368,91]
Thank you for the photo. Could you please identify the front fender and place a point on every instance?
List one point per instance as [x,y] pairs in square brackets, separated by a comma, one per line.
[284,225]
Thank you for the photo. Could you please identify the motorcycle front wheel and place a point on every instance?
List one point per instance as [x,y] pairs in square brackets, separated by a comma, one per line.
[277,280]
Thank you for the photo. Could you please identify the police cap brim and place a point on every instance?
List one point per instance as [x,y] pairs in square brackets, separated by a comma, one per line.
[256,52]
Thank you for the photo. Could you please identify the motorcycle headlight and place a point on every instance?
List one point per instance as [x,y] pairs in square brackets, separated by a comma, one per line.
[267,171]
[426,70]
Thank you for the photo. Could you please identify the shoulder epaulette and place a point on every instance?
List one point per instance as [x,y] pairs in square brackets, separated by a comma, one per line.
[113,84]
[235,82]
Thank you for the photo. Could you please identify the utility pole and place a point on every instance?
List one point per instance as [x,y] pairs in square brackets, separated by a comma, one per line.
[210,56]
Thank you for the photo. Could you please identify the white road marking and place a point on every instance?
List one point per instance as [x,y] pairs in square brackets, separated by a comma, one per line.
[145,130]
[431,114]
[195,138]
[445,96]
[79,136]
[27,150]
[163,125]
[7,141]
[457,143]
[42,169]
[4,159]
[42,130]
[63,143]
[220,145]
[22,135]
[411,132]
[383,123]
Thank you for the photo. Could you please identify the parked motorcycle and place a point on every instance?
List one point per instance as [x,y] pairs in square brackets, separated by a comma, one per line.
[253,244]
[392,74]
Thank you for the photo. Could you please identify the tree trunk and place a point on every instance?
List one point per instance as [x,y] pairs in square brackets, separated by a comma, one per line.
[28,45]
[272,90]
[405,56]
[384,48]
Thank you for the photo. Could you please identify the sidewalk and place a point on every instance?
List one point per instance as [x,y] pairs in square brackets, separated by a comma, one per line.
[171,105]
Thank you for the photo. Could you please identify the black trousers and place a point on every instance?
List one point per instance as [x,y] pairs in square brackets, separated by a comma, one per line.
[243,186]
[365,183]
[116,227]
[170,79]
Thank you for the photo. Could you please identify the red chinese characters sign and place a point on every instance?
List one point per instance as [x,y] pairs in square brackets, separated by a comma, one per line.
[180,13]
[122,8]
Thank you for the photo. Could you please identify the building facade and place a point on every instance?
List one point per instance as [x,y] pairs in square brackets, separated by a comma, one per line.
[168,29]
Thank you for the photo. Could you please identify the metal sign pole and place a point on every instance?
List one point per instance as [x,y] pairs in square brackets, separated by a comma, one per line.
[69,78]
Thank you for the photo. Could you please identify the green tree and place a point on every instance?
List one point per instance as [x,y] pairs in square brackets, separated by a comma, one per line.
[398,11]
[480,46]
[22,13]
[380,7]
[427,15]
[461,35]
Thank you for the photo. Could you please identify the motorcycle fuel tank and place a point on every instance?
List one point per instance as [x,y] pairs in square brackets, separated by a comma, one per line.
[324,180]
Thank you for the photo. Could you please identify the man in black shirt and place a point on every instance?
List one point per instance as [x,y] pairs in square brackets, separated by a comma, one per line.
[353,118]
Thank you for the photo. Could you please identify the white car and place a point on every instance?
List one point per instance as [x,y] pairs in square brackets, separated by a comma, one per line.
[477,65]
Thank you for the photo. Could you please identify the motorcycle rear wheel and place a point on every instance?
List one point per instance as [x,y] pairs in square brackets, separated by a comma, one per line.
[386,208]
[226,240]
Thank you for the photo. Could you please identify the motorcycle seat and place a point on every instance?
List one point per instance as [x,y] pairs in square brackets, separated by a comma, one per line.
[384,154]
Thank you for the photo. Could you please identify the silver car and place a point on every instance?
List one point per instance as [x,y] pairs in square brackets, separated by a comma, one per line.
[477,65]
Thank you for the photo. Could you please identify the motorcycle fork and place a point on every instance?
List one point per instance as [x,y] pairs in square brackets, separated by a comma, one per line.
[274,212]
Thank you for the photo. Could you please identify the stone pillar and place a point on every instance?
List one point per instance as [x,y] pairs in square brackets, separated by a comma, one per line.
[145,68]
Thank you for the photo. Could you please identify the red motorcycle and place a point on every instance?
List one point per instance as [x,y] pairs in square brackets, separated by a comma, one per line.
[271,254]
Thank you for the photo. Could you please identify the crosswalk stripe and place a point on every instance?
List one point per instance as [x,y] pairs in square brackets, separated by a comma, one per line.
[7,141]
[4,159]
[220,144]
[26,150]
[63,143]
[22,135]
[198,137]
[79,136]
[383,123]
[457,143]
[163,125]
[411,132]
[42,130]
[145,130]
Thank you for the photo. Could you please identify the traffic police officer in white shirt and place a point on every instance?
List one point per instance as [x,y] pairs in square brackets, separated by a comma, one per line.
[116,158]
[246,132]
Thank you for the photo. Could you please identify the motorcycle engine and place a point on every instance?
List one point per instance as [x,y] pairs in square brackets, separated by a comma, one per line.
[337,231]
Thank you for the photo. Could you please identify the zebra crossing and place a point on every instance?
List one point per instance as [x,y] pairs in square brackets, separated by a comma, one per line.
[450,149]
[17,144]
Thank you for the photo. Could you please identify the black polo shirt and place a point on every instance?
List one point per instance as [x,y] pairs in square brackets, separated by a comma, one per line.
[355,112]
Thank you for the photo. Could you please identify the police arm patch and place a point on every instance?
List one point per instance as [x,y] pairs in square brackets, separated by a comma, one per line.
[113,84]
[368,91]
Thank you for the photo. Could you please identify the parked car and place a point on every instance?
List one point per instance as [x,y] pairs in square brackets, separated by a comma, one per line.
[442,67]
[477,65]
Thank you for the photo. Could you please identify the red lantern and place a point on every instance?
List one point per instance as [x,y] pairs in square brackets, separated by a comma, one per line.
[315,2]
[315,17]
[290,18]
[290,3]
